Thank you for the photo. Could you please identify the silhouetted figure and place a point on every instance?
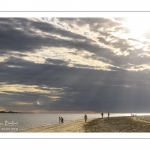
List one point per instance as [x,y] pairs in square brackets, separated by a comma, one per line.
[62,120]
[85,117]
[102,114]
[108,114]
[59,120]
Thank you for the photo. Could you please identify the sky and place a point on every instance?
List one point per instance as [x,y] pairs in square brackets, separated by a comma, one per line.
[74,65]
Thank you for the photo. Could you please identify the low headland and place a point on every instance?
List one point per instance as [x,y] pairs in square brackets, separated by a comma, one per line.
[111,124]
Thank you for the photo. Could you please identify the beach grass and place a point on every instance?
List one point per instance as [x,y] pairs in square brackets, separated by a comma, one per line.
[117,124]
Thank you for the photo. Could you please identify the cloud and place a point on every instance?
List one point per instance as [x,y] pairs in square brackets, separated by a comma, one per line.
[93,23]
[73,88]
[50,65]
[33,35]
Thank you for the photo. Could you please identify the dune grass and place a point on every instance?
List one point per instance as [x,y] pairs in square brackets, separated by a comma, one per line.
[116,124]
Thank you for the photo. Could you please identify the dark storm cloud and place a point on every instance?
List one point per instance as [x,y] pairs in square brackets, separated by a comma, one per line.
[122,44]
[26,39]
[56,61]
[14,39]
[87,89]
[49,28]
[94,23]
[131,60]
[122,61]
[28,24]
[103,97]
[81,89]
[103,40]
[16,62]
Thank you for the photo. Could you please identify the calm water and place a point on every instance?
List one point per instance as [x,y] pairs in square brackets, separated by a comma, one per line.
[13,122]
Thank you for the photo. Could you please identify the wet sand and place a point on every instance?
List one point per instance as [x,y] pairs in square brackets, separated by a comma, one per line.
[114,124]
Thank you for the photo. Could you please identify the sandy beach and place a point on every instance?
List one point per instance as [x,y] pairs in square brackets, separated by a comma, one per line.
[114,124]
[72,126]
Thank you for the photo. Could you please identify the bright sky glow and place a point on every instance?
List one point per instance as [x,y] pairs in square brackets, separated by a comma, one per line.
[138,26]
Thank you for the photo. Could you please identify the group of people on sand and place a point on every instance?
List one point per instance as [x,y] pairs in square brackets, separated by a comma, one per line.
[133,115]
[85,116]
[61,120]
[103,114]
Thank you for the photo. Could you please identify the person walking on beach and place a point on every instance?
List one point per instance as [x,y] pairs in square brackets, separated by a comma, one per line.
[62,120]
[85,117]
[108,114]
[59,119]
[102,114]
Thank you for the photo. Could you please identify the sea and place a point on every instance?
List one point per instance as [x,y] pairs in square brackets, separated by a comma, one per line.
[14,122]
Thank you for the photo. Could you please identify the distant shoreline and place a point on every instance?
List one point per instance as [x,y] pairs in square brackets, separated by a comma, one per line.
[8,112]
